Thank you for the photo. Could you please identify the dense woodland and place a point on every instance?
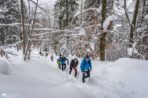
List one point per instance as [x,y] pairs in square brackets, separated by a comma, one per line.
[106,29]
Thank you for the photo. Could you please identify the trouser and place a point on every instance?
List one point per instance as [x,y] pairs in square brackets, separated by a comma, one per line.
[85,74]
[51,58]
[59,65]
[75,69]
[63,67]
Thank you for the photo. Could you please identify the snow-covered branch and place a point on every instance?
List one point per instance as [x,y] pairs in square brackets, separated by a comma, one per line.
[90,9]
[14,24]
[53,31]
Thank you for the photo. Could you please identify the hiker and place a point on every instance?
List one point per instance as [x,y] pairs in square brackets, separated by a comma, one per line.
[86,67]
[64,60]
[46,54]
[51,57]
[46,51]
[59,62]
[73,66]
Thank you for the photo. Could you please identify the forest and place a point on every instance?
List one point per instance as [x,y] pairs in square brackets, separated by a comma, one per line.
[73,48]
[108,29]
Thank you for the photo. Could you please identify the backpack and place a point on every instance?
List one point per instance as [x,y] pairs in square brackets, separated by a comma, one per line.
[58,62]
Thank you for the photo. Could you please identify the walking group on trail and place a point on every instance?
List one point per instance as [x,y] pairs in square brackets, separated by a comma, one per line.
[85,66]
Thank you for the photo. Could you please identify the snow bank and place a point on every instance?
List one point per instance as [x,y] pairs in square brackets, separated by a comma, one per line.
[124,78]
[39,79]
[11,50]
[132,72]
[4,67]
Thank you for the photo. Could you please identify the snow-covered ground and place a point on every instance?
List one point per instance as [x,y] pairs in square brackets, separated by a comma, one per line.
[40,78]
[4,67]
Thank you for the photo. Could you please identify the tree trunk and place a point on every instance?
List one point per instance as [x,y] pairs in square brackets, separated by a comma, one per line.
[67,22]
[81,9]
[23,26]
[103,35]
[67,14]
[28,49]
[133,26]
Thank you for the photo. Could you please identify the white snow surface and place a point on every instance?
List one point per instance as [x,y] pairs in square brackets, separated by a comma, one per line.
[40,78]
[11,50]
[4,67]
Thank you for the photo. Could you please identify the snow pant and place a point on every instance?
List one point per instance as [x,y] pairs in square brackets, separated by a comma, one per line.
[51,58]
[85,74]
[75,69]
[59,65]
[63,67]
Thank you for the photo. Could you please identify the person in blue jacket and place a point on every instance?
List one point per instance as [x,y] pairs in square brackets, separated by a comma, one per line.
[86,67]
[64,61]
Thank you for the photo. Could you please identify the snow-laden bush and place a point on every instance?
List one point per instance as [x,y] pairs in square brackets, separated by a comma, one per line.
[11,50]
[4,67]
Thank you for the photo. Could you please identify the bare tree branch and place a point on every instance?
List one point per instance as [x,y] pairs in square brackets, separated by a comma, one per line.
[127,14]
[37,5]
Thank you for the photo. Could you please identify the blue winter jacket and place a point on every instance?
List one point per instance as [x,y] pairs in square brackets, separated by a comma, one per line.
[63,60]
[86,65]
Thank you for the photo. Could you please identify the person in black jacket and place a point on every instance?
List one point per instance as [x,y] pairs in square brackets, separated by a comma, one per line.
[73,65]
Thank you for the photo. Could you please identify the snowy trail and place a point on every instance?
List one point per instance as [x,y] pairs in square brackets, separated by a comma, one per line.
[99,85]
[40,78]
[37,79]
